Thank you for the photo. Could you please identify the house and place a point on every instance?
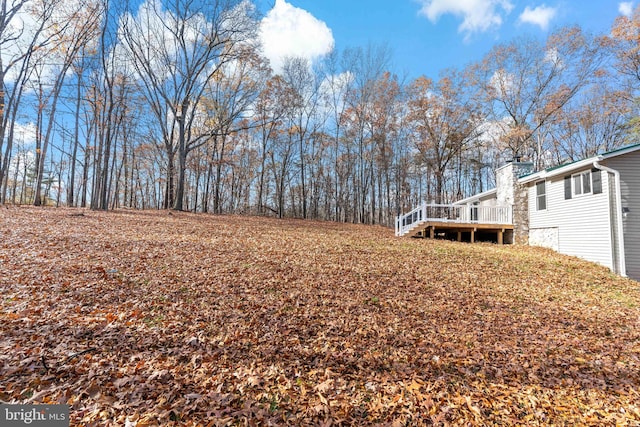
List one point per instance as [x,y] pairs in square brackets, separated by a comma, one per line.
[589,209]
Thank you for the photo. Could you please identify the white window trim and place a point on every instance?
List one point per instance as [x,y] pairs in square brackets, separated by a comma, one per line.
[582,192]
[546,206]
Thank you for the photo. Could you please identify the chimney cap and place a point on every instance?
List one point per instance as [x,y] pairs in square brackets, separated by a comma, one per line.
[516,159]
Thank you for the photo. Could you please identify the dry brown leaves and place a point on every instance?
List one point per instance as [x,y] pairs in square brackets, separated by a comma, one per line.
[150,318]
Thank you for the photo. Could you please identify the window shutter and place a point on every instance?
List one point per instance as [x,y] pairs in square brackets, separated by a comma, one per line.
[567,187]
[596,181]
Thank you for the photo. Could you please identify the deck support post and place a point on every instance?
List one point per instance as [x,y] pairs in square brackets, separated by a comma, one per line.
[501,236]
[473,235]
[432,233]
[459,236]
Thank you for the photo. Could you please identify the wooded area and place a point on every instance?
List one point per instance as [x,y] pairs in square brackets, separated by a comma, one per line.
[171,105]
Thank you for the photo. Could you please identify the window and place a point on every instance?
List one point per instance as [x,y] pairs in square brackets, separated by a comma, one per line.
[541,196]
[581,183]
[588,182]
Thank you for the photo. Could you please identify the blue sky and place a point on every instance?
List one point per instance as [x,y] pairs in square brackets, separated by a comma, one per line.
[425,36]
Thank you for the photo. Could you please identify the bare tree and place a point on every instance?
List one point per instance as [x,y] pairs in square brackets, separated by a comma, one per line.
[177,48]
[623,42]
[303,114]
[337,86]
[526,83]
[74,25]
[270,109]
[23,31]
[445,122]
[367,66]
[384,123]
[226,100]
[597,122]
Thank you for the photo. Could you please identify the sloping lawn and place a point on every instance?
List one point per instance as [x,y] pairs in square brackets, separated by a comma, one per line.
[157,318]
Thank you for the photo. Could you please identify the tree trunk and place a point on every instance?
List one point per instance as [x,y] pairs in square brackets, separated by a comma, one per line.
[182,162]
[74,150]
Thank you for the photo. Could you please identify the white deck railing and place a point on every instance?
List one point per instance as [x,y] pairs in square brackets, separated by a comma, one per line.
[465,214]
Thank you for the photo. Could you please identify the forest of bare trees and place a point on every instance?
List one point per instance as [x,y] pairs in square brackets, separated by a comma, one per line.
[171,105]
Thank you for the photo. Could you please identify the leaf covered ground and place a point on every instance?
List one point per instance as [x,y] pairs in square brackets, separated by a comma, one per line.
[157,318]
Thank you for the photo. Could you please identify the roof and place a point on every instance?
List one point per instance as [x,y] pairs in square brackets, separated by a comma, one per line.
[579,164]
[622,150]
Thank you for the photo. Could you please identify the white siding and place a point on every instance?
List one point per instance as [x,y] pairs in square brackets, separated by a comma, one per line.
[582,222]
[629,167]
[488,201]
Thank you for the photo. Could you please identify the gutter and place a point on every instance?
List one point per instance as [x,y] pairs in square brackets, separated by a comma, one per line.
[620,226]
[561,170]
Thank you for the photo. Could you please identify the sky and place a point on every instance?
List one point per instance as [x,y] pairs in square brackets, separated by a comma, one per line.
[424,36]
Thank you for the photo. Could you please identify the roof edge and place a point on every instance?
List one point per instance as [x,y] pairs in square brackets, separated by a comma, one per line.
[475,196]
[562,169]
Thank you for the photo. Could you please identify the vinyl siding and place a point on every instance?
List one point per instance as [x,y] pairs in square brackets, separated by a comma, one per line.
[582,222]
[629,167]
[486,200]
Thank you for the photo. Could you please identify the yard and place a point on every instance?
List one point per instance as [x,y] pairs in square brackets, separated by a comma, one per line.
[168,318]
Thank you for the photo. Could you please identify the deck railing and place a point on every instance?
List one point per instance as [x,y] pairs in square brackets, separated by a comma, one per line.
[464,214]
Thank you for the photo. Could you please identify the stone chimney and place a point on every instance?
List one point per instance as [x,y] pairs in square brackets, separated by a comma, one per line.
[510,192]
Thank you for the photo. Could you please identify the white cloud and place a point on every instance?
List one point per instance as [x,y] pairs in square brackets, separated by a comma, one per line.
[540,16]
[478,15]
[291,31]
[626,8]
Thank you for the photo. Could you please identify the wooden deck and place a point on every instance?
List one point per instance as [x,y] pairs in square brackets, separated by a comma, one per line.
[458,222]
[463,231]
